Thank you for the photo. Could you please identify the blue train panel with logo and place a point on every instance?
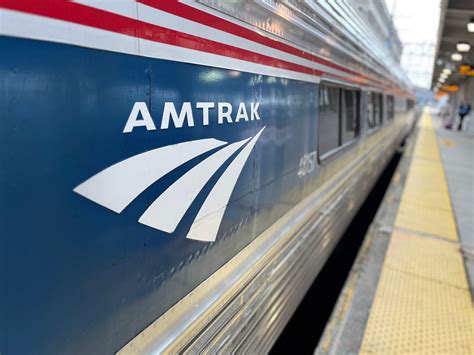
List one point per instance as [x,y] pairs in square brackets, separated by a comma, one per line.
[174,174]
[79,276]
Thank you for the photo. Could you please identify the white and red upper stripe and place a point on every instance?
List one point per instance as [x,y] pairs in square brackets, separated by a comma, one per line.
[169,30]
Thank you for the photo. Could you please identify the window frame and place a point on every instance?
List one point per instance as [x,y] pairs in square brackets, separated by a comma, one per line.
[356,112]
[375,94]
[342,146]
[338,111]
[389,118]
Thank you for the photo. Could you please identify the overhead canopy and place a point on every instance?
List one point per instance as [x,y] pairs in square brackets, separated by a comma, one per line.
[453,29]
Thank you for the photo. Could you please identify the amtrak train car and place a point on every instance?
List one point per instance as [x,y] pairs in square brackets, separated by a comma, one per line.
[174,175]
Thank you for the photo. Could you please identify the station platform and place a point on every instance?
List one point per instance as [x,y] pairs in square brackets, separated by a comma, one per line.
[410,289]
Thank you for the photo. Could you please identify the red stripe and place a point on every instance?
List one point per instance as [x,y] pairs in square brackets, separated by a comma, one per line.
[80,14]
[84,15]
[190,13]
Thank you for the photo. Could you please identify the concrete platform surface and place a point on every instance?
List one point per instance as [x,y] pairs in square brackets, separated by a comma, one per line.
[408,291]
[457,153]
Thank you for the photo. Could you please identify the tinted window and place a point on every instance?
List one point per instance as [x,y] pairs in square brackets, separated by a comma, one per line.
[381,114]
[374,109]
[370,110]
[350,115]
[378,109]
[400,104]
[338,117]
[390,107]
[328,118]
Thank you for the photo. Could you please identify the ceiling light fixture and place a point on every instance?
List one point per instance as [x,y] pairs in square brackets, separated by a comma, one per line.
[447,71]
[463,47]
[456,57]
[443,75]
[441,80]
[470,25]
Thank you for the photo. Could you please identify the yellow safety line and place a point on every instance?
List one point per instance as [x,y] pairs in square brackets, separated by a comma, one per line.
[422,303]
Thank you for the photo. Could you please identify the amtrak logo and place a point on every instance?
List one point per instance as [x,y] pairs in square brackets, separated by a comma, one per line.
[118,185]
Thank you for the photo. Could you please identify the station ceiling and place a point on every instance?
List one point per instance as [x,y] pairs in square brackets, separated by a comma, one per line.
[457,15]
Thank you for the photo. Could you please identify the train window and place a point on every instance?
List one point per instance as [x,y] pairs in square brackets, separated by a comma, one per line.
[338,117]
[400,104]
[378,109]
[350,117]
[370,110]
[328,118]
[382,104]
[324,100]
[390,107]
[374,109]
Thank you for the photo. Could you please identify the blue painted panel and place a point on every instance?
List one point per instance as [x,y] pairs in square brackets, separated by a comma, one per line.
[77,277]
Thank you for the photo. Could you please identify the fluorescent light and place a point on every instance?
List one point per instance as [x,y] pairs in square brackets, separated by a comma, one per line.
[447,71]
[456,57]
[463,47]
[470,25]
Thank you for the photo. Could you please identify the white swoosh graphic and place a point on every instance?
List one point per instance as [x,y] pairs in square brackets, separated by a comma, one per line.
[169,208]
[208,220]
[118,185]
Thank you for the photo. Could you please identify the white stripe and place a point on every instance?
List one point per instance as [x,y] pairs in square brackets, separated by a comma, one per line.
[118,185]
[161,18]
[209,217]
[37,27]
[164,51]
[169,208]
[19,24]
